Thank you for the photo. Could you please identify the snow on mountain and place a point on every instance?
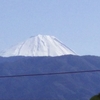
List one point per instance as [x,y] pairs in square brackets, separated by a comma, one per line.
[40,45]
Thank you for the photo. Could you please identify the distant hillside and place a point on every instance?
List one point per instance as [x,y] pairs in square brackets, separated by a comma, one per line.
[80,86]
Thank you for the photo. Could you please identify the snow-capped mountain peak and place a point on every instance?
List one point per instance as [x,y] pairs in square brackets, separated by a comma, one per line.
[40,45]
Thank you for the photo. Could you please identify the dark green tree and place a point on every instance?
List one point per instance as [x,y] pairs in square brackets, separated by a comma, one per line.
[96,97]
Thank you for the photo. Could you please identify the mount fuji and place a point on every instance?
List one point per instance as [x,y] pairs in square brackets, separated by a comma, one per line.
[40,45]
[32,78]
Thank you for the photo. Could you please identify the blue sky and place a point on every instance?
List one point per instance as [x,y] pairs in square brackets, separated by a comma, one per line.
[75,22]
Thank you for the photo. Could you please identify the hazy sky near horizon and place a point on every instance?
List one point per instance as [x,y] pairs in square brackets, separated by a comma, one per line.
[74,22]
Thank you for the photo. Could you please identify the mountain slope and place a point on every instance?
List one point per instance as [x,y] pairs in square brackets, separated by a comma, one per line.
[79,86]
[40,45]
